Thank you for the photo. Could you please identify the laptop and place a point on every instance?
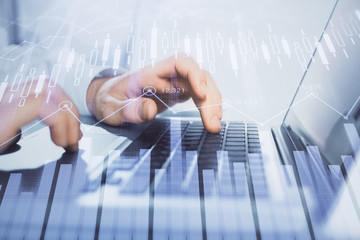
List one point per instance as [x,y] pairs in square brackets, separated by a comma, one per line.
[170,179]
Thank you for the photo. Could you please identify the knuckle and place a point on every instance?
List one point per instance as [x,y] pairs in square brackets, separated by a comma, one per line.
[182,55]
[205,72]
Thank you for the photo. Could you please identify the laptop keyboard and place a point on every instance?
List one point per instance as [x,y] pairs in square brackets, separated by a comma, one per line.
[162,137]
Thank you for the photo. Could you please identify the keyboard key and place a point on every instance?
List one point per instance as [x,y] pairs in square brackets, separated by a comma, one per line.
[235,139]
[235,148]
[254,150]
[237,154]
[252,144]
[230,143]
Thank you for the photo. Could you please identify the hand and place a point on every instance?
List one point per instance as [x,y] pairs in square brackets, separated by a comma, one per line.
[64,128]
[106,96]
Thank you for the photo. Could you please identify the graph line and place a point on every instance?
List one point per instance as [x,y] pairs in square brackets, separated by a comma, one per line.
[353,106]
[27,129]
[331,107]
[198,108]
[172,110]
[72,113]
[311,95]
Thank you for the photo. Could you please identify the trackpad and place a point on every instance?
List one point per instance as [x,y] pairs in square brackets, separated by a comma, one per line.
[37,149]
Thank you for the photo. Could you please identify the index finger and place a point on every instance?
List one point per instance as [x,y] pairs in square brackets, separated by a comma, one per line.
[186,68]
[207,99]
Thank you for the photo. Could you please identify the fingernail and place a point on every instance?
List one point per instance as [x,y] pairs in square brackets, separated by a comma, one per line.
[80,135]
[204,88]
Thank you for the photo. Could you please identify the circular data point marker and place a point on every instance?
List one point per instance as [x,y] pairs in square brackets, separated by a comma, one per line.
[65,105]
[149,90]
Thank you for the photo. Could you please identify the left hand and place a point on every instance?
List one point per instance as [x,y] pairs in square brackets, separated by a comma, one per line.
[64,127]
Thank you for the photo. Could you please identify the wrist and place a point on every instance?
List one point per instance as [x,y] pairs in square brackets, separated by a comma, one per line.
[92,91]
[95,85]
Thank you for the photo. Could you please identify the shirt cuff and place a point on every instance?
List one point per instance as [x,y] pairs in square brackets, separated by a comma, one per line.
[78,93]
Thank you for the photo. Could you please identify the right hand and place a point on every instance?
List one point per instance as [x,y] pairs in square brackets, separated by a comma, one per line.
[107,97]
[64,127]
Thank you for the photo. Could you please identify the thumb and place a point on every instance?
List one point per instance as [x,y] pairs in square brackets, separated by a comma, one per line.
[137,110]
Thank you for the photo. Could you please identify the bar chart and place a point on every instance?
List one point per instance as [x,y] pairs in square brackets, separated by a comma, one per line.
[182,196]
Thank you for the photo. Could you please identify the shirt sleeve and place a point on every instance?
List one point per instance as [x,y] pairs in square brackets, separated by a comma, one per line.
[76,87]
